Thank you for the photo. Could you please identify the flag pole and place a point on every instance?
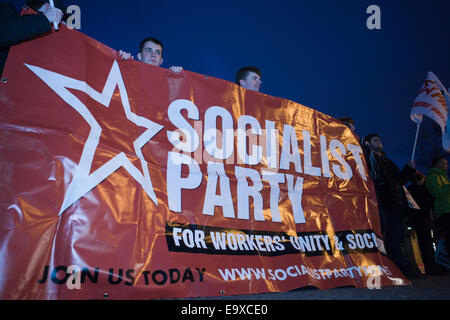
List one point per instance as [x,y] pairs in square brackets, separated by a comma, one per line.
[55,24]
[415,140]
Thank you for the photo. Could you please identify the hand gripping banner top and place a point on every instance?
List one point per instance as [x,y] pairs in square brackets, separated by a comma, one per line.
[123,178]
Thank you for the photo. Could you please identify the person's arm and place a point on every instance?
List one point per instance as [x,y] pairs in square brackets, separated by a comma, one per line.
[15,29]
[407,172]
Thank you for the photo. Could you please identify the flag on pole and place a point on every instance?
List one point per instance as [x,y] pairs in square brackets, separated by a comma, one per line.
[431,101]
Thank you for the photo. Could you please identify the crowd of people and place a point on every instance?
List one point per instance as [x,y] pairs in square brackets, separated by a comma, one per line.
[431,193]
[424,206]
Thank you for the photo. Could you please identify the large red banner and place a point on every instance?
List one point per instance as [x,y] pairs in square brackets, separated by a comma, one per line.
[125,179]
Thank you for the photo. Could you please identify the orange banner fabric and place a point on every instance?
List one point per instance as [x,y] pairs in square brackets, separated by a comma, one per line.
[123,178]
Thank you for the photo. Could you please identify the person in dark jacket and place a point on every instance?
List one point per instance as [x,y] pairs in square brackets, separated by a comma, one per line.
[421,221]
[15,29]
[392,203]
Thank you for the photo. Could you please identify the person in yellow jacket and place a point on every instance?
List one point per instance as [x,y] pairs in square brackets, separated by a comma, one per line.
[438,185]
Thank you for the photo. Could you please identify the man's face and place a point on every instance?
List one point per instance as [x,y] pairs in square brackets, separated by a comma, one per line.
[375,144]
[443,164]
[151,53]
[252,82]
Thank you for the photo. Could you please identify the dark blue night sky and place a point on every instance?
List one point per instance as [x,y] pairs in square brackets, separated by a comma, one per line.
[317,53]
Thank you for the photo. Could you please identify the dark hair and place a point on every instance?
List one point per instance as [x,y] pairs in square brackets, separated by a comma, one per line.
[347,120]
[243,73]
[370,136]
[152,40]
[436,160]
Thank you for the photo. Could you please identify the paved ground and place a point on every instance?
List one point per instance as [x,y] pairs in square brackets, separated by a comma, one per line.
[428,288]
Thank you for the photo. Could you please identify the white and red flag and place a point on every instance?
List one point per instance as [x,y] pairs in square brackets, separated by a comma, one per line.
[432,101]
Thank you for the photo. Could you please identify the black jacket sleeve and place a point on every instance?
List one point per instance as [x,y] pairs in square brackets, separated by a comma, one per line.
[15,29]
[406,174]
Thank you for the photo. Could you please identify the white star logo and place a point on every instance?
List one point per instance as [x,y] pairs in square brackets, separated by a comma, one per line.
[82,181]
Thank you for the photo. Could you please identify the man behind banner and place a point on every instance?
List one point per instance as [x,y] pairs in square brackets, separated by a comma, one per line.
[392,203]
[150,52]
[249,78]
